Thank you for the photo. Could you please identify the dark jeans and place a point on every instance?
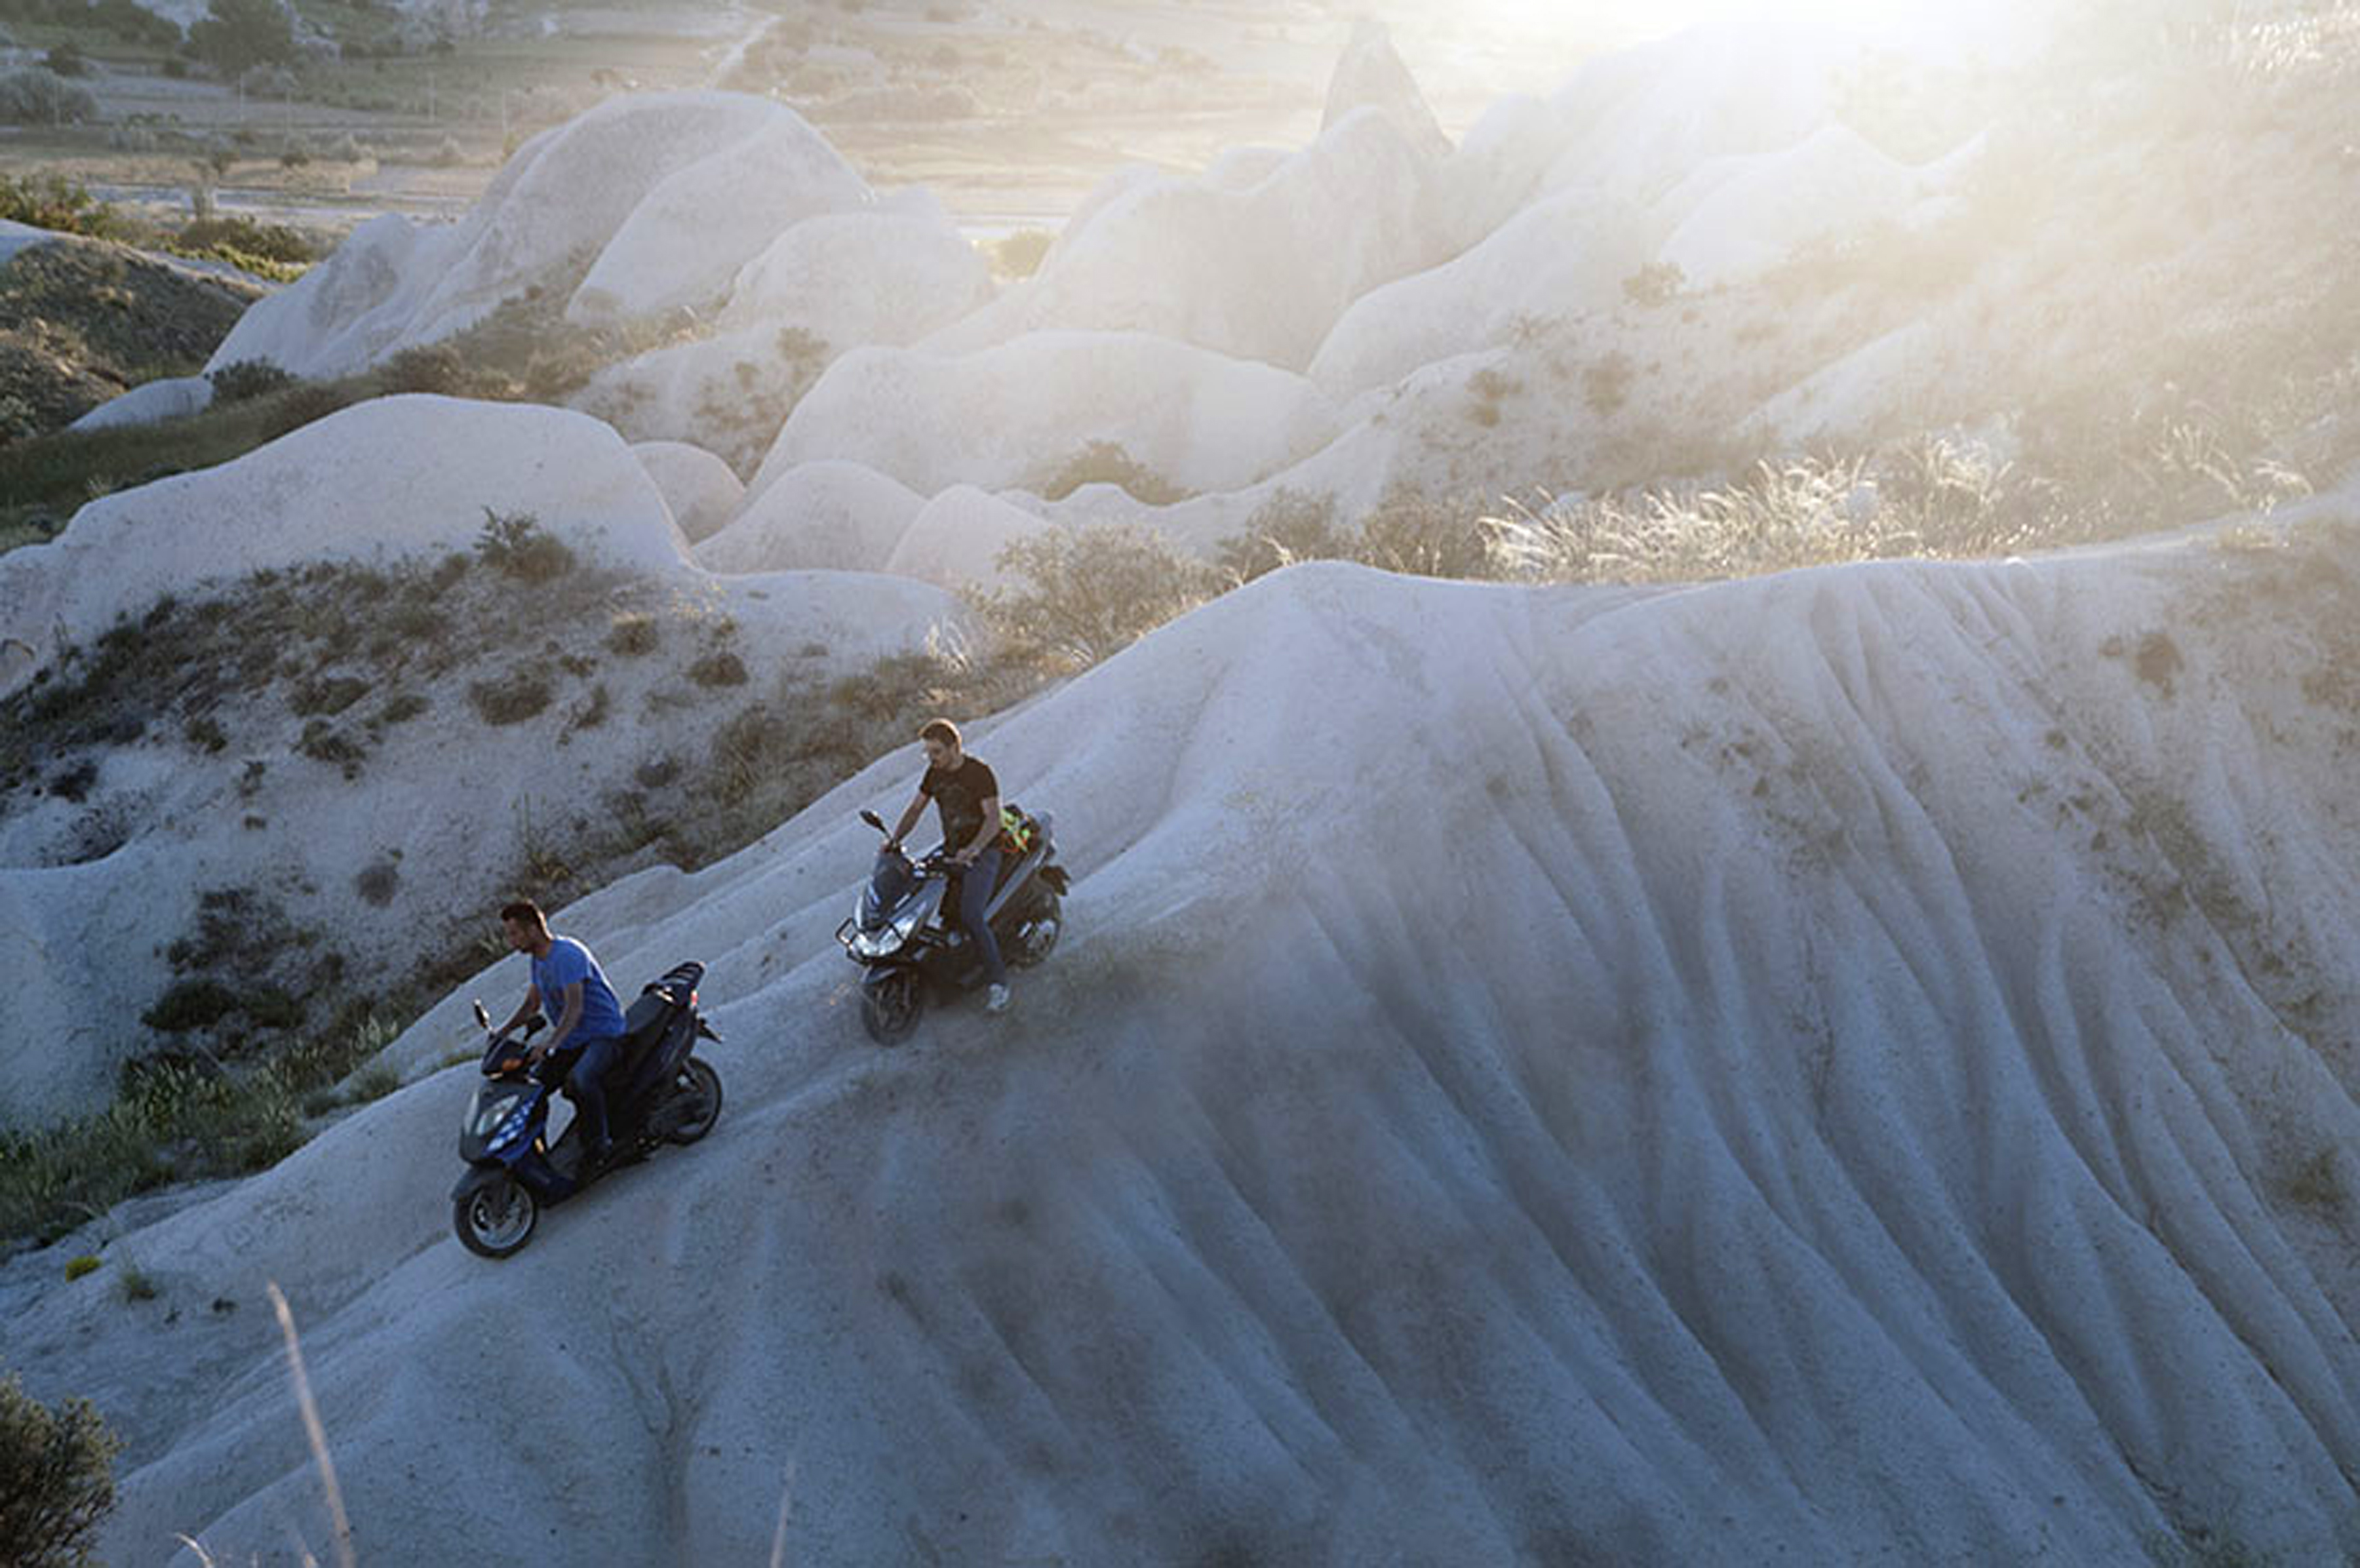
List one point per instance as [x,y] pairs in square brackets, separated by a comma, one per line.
[976,884]
[587,1082]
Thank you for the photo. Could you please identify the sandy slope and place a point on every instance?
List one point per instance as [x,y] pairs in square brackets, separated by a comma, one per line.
[1812,1070]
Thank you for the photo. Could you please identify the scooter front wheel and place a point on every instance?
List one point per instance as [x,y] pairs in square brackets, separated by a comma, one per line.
[495,1216]
[891,1006]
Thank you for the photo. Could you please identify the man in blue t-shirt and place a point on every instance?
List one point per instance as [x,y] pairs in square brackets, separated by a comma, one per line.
[571,990]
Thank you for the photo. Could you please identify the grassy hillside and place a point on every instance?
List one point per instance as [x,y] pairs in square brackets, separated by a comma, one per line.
[82,321]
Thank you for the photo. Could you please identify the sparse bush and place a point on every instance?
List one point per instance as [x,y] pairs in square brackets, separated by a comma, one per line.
[377,882]
[1288,527]
[719,669]
[632,635]
[132,1283]
[1426,537]
[1020,254]
[78,1268]
[53,201]
[400,708]
[1106,463]
[247,379]
[1606,384]
[375,1083]
[234,237]
[323,741]
[191,1005]
[236,35]
[514,545]
[306,403]
[427,368]
[1927,498]
[44,98]
[511,699]
[449,153]
[1092,591]
[1658,283]
[327,694]
[57,1478]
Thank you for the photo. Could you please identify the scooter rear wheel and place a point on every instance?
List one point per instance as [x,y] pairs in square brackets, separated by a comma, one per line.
[892,1007]
[494,1217]
[698,1093]
[1036,938]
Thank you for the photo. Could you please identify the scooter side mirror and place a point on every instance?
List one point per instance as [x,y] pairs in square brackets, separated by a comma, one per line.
[872,819]
[483,1018]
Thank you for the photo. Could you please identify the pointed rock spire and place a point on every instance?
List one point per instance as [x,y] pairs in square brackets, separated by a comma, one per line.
[1370,75]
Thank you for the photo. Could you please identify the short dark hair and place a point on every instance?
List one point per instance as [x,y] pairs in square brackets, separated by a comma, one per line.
[941,730]
[524,911]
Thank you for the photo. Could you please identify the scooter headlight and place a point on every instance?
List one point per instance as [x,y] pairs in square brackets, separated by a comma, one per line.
[491,1110]
[887,941]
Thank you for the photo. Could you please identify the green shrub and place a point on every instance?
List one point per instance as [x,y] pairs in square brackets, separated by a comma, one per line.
[43,98]
[132,1283]
[52,202]
[633,634]
[191,1005]
[1020,254]
[1658,283]
[246,236]
[511,699]
[1106,463]
[1091,593]
[328,694]
[77,1268]
[324,742]
[1426,537]
[57,1478]
[400,708]
[305,404]
[428,367]
[1288,527]
[514,545]
[247,379]
[719,669]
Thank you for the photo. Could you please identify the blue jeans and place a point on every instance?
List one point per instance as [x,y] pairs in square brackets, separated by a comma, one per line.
[974,897]
[587,1081]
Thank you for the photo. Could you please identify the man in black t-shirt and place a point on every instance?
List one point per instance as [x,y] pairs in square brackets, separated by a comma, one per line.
[966,794]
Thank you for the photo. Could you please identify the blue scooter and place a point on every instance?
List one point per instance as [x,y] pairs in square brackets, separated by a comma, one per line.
[658,1092]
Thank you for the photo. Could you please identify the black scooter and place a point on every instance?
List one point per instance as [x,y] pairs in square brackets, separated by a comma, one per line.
[658,1092]
[909,943]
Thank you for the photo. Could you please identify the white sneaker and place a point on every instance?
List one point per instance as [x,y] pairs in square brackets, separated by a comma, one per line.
[996,1000]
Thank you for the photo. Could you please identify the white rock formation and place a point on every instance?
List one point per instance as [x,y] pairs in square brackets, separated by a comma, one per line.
[97,880]
[828,515]
[1254,273]
[1372,75]
[698,488]
[1638,121]
[149,403]
[1564,254]
[1828,1052]
[727,394]
[683,242]
[1012,416]
[890,275]
[393,284]
[1741,215]
[392,477]
[957,538]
